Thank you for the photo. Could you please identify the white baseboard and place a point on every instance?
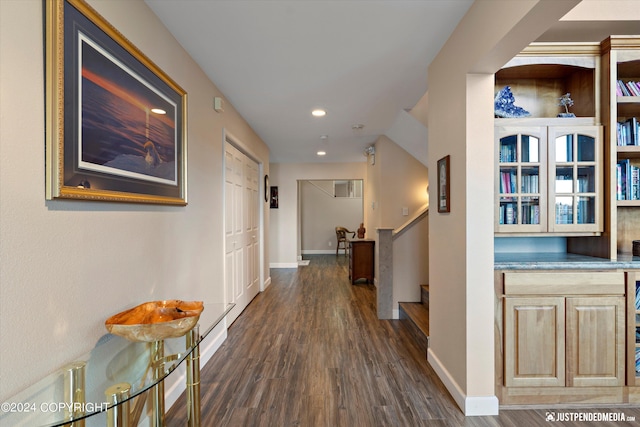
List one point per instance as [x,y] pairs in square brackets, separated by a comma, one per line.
[284,265]
[266,284]
[470,405]
[318,251]
[395,314]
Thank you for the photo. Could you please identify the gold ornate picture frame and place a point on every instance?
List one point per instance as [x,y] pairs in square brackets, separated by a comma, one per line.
[115,122]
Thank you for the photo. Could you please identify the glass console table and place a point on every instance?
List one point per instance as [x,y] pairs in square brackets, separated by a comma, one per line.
[111,384]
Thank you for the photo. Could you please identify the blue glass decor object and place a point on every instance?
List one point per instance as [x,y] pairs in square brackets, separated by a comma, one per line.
[566,102]
[504,105]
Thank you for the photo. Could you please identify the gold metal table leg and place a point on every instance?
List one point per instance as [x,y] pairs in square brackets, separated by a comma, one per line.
[118,414]
[157,392]
[74,392]
[193,378]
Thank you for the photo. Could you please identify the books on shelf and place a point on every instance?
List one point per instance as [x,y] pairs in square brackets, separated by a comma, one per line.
[509,214]
[508,182]
[628,132]
[508,153]
[627,181]
[531,214]
[629,88]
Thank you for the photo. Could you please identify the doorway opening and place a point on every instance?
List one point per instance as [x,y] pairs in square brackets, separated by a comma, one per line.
[324,205]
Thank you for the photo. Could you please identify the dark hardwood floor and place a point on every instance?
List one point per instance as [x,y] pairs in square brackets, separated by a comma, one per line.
[310,351]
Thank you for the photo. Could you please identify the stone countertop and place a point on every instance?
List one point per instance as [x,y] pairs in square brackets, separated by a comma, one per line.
[562,261]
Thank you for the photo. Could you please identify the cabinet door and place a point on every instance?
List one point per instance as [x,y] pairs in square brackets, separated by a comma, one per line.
[595,341]
[575,179]
[534,347]
[521,179]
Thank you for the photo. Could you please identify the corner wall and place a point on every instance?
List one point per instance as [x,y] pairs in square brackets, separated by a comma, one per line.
[461,316]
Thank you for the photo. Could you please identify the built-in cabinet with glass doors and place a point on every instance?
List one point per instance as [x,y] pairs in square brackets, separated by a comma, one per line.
[549,177]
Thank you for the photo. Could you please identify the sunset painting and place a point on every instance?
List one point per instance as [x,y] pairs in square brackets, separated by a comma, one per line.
[127,127]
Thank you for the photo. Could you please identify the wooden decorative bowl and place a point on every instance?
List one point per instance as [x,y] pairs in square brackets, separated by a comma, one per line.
[156,320]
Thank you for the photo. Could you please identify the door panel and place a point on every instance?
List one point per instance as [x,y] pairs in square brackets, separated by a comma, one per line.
[534,342]
[595,341]
[241,229]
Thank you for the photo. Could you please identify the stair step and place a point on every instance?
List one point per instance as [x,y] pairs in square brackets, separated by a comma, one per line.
[424,294]
[417,315]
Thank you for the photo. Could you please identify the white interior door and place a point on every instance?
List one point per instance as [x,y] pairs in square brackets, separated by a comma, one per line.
[242,229]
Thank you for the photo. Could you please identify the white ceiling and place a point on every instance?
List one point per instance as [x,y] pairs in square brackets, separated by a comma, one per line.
[364,61]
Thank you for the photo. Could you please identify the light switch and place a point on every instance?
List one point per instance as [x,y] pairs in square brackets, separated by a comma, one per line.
[405,211]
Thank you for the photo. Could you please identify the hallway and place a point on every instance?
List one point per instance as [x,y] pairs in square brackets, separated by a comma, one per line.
[310,351]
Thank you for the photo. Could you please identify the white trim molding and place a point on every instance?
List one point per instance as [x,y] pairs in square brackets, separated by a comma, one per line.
[283,265]
[470,405]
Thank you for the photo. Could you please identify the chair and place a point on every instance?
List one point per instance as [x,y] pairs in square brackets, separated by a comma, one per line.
[341,236]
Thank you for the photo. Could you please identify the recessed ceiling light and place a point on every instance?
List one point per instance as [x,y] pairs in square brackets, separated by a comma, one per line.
[321,153]
[158,111]
[318,112]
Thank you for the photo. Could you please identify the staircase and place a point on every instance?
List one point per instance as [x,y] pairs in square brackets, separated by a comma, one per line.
[416,316]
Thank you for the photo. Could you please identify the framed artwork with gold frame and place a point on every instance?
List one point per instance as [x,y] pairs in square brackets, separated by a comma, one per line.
[115,122]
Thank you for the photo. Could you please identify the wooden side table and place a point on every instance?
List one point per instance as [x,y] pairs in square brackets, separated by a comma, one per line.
[361,260]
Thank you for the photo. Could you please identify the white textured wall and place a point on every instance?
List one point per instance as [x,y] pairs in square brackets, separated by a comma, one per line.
[284,221]
[65,266]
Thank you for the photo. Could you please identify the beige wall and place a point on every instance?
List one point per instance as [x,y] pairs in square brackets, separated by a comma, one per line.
[66,266]
[461,242]
[399,180]
[410,263]
[284,221]
[321,213]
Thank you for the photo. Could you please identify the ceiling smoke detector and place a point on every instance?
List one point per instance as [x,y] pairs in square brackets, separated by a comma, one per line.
[358,126]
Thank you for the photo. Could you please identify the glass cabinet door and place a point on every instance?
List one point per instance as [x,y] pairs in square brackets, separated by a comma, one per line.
[575,179]
[521,180]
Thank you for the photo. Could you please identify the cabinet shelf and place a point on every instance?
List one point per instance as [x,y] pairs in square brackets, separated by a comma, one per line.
[628,151]
[628,203]
[628,99]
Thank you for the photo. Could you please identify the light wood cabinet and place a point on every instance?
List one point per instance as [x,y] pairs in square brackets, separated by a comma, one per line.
[555,339]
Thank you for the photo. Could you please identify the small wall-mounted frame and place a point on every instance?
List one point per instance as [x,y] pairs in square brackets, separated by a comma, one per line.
[273,199]
[444,189]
